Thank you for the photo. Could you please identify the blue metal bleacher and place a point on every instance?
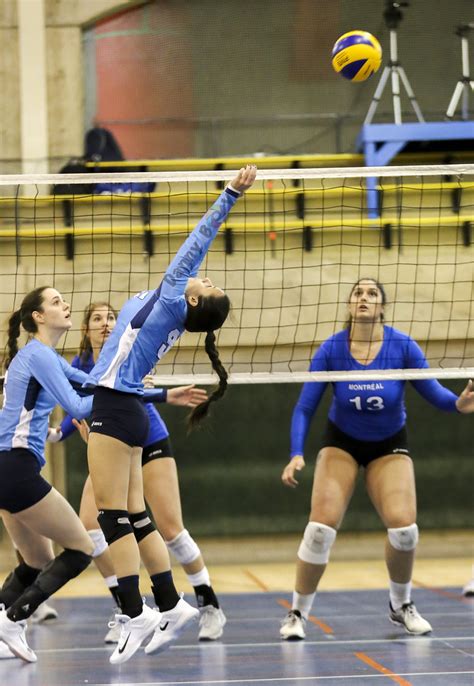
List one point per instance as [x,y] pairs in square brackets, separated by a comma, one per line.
[379,144]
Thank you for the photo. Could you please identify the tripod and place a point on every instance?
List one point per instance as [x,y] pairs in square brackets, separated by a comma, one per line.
[465,82]
[393,16]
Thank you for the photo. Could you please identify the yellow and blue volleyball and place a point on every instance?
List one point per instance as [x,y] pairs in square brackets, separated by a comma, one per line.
[356,55]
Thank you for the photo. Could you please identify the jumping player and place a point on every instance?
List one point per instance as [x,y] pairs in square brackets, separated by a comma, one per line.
[147,327]
[160,481]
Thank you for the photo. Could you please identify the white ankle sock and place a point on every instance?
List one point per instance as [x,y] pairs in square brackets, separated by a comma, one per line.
[399,594]
[303,603]
[111,581]
[200,578]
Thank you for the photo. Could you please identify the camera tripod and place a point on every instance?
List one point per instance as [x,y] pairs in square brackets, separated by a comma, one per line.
[465,83]
[393,16]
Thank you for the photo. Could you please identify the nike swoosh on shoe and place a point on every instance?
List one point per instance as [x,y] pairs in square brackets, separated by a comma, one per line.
[122,648]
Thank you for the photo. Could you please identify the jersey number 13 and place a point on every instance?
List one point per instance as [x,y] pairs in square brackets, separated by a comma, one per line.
[373,403]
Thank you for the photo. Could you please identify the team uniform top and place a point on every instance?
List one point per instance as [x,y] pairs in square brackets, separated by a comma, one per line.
[152,321]
[371,410]
[158,430]
[38,378]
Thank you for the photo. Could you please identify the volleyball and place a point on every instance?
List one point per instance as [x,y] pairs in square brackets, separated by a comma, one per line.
[356,55]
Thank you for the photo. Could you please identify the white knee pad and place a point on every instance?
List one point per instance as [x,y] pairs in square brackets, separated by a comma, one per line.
[184,548]
[98,539]
[316,543]
[404,538]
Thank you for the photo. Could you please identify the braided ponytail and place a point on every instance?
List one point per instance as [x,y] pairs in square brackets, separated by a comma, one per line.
[13,333]
[199,412]
[32,302]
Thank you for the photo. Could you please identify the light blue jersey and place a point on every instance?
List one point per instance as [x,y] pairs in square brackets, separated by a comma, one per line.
[38,379]
[371,410]
[151,322]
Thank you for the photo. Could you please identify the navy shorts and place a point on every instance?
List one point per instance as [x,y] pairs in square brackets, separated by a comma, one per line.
[364,452]
[21,484]
[120,415]
[155,450]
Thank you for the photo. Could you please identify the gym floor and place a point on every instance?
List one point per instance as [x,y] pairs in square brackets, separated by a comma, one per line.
[349,638]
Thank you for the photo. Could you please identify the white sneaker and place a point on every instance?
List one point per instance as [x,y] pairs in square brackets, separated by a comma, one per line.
[292,627]
[5,652]
[43,613]
[115,628]
[468,589]
[14,635]
[409,617]
[212,623]
[173,622]
[133,632]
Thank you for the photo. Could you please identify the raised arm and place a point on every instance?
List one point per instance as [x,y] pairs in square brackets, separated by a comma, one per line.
[189,257]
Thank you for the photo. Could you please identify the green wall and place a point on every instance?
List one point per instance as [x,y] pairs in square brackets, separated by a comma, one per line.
[230,469]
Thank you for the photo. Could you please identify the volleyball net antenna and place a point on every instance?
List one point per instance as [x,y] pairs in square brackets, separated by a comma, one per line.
[287,256]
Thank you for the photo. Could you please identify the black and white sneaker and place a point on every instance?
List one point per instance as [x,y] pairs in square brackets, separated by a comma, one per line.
[114,629]
[172,624]
[409,617]
[211,623]
[14,635]
[292,627]
[133,632]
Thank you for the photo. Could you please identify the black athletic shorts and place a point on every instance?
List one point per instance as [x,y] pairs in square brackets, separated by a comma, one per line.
[156,450]
[21,484]
[120,415]
[364,452]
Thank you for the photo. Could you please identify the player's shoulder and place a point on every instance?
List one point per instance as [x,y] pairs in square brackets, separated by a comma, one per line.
[395,336]
[35,350]
[331,345]
[336,340]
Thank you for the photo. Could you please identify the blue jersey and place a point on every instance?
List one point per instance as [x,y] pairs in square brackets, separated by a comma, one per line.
[369,410]
[158,430]
[151,322]
[37,380]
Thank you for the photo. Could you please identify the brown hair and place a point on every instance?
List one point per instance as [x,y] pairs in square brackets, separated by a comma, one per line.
[32,302]
[85,348]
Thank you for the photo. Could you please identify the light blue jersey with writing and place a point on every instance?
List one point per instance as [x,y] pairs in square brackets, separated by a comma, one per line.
[151,322]
[370,410]
[37,380]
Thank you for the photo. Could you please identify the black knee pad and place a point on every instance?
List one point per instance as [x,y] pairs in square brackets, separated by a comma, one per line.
[59,571]
[16,582]
[115,524]
[54,576]
[142,525]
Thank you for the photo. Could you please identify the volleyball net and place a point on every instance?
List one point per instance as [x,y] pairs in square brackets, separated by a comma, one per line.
[287,256]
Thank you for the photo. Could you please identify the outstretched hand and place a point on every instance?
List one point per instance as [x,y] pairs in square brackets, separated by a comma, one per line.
[296,464]
[244,178]
[465,402]
[186,396]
